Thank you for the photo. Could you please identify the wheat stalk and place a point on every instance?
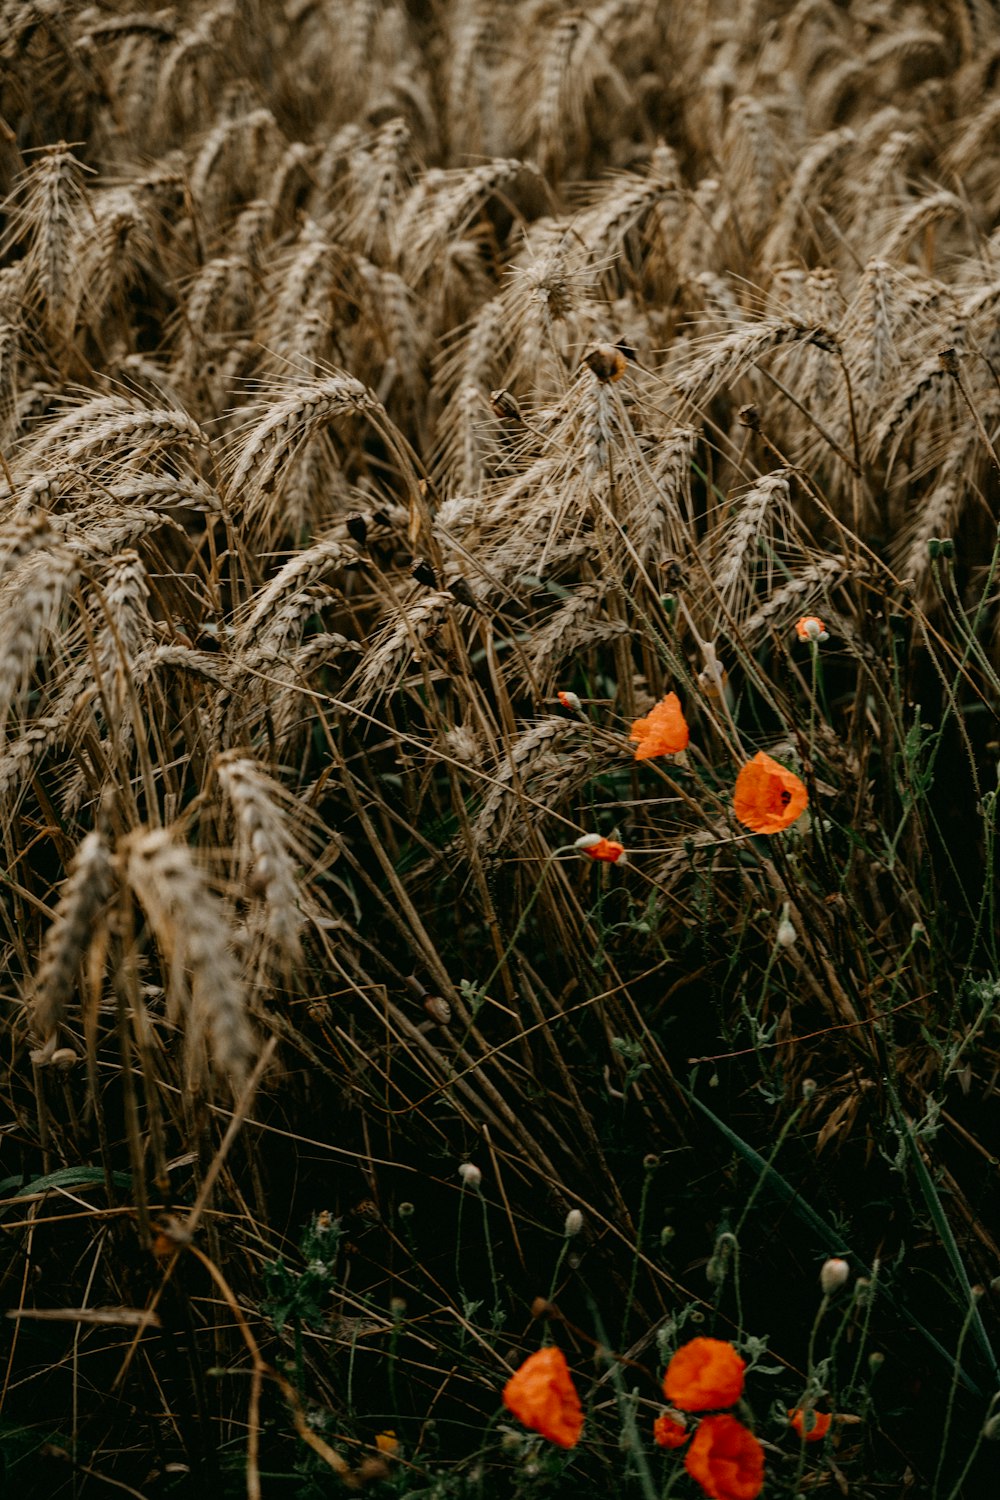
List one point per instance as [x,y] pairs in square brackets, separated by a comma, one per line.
[190,925]
[88,885]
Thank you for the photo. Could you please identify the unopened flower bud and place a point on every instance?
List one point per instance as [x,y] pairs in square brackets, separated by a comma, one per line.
[811,628]
[470,1175]
[570,701]
[833,1274]
[808,1087]
[574,1223]
[786,936]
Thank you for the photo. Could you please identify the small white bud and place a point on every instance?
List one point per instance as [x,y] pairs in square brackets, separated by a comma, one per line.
[470,1175]
[833,1274]
[786,936]
[587,841]
[574,1223]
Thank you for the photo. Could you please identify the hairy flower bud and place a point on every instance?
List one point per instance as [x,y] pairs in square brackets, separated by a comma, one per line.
[833,1274]
[470,1175]
[786,936]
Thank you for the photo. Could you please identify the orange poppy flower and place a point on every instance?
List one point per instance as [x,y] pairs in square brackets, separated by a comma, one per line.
[726,1459]
[669,1433]
[663,731]
[607,849]
[811,628]
[767,798]
[541,1394]
[704,1373]
[811,1426]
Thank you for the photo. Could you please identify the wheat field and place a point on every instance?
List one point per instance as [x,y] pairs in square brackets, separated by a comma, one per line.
[397,402]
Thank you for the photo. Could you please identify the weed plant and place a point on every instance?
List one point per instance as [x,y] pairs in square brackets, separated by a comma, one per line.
[371,373]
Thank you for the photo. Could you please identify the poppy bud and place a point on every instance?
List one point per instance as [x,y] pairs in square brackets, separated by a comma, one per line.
[470,1175]
[608,850]
[811,628]
[574,1223]
[606,362]
[833,1274]
[786,936]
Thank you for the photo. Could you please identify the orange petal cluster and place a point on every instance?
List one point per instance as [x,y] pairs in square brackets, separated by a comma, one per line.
[663,731]
[606,849]
[811,1426]
[704,1373]
[767,797]
[726,1459]
[541,1394]
[811,628]
[669,1433]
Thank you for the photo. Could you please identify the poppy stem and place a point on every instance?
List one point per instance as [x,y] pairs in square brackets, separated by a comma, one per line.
[626,1407]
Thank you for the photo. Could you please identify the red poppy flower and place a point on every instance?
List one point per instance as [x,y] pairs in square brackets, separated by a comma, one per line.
[811,1426]
[669,1433]
[811,628]
[541,1394]
[767,798]
[704,1373]
[726,1459]
[598,848]
[663,731]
